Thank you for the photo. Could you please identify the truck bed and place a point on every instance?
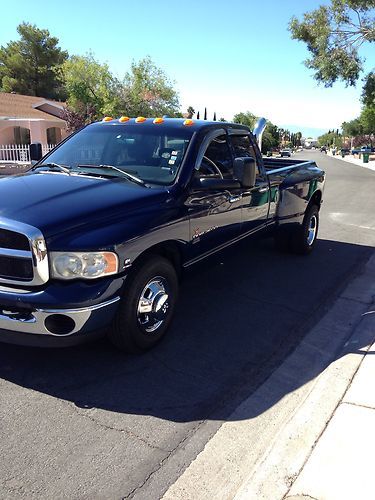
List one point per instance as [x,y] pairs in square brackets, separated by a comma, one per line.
[274,163]
[287,173]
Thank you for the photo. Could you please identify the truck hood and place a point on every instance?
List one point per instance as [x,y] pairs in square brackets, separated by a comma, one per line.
[55,202]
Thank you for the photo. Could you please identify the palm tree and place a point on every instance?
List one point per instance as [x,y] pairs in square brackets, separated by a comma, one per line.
[190,112]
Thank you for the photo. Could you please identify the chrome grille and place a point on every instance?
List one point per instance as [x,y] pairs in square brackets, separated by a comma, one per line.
[23,254]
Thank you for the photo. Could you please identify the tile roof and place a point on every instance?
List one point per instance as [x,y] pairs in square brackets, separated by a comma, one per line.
[21,106]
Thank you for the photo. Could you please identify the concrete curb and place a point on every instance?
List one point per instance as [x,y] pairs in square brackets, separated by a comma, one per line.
[353,161]
[262,447]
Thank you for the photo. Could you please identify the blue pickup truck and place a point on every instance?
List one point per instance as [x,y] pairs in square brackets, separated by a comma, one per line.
[94,238]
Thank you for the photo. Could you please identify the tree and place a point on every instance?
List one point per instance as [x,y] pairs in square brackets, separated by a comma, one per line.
[32,65]
[352,128]
[246,118]
[368,93]
[367,119]
[92,90]
[334,35]
[362,129]
[271,135]
[190,112]
[147,91]
[331,139]
[268,141]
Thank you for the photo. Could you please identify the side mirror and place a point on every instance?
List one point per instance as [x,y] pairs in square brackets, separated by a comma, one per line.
[36,151]
[245,170]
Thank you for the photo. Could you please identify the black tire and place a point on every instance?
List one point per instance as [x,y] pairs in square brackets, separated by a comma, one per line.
[303,239]
[133,331]
[296,239]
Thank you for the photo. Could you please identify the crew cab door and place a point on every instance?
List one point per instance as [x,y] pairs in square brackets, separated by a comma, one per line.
[215,214]
[255,201]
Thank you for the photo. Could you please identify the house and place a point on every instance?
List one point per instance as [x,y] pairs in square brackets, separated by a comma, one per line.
[309,142]
[25,119]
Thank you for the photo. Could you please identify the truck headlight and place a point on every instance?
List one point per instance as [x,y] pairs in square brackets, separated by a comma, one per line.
[89,265]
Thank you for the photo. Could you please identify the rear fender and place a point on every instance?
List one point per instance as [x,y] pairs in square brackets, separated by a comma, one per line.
[295,200]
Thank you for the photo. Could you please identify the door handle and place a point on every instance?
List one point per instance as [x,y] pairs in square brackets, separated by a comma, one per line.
[233,199]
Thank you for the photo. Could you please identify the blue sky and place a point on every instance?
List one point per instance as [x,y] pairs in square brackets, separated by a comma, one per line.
[229,56]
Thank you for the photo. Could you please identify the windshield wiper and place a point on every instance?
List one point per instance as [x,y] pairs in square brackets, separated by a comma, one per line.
[66,170]
[128,176]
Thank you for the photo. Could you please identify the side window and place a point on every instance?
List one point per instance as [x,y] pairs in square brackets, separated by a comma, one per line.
[242,147]
[218,152]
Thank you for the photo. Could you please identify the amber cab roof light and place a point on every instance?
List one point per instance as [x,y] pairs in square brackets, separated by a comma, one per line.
[141,119]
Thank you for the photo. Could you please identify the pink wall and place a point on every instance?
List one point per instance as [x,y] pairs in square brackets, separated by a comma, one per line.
[6,135]
[37,129]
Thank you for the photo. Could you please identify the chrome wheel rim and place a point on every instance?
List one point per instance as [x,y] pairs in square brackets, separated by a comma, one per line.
[153,304]
[313,226]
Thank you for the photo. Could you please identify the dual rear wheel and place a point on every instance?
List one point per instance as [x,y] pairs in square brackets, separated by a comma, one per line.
[300,239]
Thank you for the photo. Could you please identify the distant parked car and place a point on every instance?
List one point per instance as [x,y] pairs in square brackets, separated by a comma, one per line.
[286,152]
[344,151]
[363,149]
[323,149]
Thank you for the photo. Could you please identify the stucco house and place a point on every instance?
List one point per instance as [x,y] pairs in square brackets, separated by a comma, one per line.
[25,119]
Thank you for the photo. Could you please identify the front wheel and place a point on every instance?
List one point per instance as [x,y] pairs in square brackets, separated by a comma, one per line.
[147,306]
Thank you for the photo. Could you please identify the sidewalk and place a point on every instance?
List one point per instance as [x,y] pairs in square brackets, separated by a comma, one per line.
[356,161]
[339,465]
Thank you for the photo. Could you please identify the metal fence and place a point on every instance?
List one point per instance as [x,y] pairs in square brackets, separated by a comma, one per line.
[20,153]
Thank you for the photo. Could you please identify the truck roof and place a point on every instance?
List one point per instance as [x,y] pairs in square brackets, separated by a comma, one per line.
[170,123]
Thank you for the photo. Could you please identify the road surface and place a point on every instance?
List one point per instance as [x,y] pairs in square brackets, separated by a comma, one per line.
[90,422]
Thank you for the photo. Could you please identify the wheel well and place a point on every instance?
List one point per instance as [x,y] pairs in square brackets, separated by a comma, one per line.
[170,250]
[316,199]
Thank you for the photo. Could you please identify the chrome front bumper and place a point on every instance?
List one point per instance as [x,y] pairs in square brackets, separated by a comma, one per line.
[36,322]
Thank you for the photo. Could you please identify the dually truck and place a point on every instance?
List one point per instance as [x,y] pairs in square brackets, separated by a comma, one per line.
[95,236]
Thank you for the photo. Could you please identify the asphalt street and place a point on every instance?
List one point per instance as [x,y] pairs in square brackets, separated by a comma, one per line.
[90,422]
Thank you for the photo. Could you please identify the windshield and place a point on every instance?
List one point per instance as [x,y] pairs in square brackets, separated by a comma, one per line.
[151,154]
